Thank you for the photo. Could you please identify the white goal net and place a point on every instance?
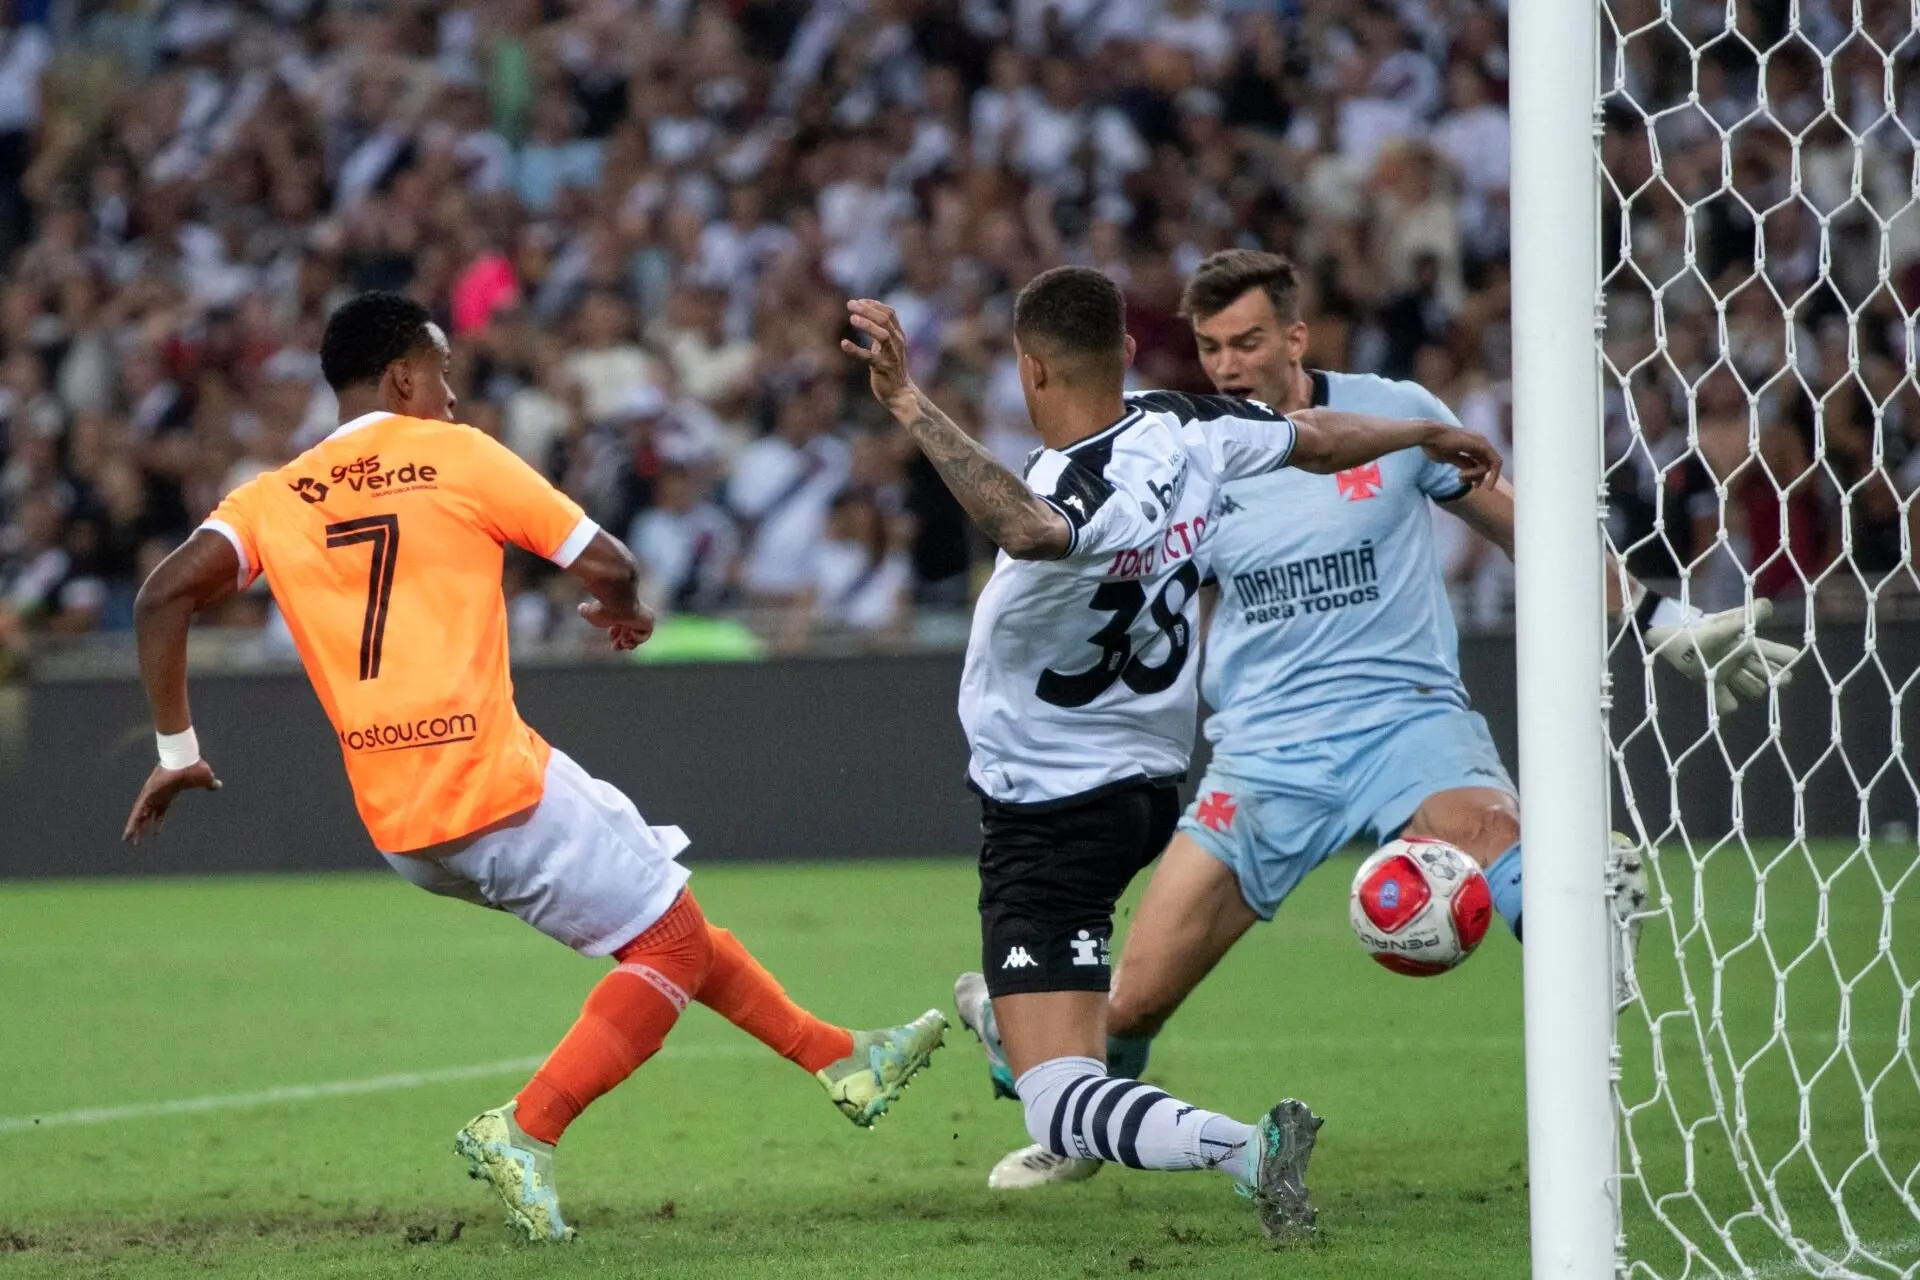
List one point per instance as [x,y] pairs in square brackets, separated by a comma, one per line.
[1760,260]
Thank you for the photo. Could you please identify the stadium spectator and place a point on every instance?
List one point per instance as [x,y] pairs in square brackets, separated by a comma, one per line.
[640,217]
[782,490]
[862,577]
[685,544]
[606,362]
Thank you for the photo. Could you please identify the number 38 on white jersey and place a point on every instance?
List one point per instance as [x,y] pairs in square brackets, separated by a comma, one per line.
[1080,672]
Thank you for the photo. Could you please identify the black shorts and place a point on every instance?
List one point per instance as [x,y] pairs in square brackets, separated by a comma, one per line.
[1048,882]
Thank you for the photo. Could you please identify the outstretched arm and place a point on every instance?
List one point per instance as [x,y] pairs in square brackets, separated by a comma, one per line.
[1017,521]
[200,573]
[1489,513]
[1717,648]
[1330,440]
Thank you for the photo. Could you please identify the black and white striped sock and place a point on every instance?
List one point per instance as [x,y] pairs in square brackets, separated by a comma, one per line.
[1074,1108]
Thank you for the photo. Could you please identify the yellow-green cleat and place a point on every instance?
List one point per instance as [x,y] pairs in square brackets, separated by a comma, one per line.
[520,1168]
[864,1083]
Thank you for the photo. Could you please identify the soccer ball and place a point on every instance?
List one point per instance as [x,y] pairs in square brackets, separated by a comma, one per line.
[1420,906]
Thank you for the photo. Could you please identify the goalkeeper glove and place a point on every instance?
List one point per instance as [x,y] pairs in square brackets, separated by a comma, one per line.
[1717,649]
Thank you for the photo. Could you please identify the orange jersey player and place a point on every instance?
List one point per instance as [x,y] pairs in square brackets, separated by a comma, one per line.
[383,547]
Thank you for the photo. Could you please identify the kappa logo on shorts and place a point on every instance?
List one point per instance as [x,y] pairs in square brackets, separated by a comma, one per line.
[1216,811]
[1017,958]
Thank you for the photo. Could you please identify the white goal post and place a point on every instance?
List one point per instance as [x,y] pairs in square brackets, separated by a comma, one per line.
[1559,630]
[1716,320]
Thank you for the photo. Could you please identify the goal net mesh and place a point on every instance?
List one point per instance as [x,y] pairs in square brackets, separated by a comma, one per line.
[1760,254]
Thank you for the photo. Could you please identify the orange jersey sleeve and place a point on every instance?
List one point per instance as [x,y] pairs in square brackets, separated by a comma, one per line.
[524,509]
[235,520]
[383,546]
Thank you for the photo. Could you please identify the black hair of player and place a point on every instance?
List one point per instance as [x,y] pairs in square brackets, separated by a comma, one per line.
[368,333]
[1224,276]
[1072,311]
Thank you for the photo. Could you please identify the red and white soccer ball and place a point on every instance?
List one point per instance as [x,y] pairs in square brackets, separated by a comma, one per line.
[1420,906]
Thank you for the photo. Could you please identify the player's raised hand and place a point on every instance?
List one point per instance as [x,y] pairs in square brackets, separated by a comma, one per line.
[885,354]
[1721,650]
[162,785]
[1471,453]
[626,630]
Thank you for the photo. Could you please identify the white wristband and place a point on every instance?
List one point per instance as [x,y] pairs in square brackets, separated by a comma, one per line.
[178,750]
[1671,613]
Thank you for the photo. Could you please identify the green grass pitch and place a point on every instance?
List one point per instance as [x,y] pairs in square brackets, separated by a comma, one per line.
[719,1160]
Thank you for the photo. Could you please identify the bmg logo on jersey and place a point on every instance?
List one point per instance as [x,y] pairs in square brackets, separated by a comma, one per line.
[367,474]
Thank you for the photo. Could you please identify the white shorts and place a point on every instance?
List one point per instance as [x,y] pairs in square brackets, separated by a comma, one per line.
[584,869]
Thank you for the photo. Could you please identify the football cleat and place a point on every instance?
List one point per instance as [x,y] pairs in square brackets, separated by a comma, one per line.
[1036,1166]
[865,1082]
[975,1007]
[1627,896]
[520,1168]
[1284,1141]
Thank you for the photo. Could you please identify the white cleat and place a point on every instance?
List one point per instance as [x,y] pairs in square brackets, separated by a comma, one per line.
[975,1007]
[1036,1166]
[1627,899]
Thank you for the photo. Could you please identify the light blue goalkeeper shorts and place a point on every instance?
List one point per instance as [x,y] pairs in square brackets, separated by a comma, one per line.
[1274,815]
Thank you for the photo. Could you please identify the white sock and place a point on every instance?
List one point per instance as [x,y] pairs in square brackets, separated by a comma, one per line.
[1074,1108]
[1228,1146]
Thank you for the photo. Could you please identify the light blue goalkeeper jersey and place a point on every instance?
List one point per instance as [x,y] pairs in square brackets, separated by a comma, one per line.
[1333,613]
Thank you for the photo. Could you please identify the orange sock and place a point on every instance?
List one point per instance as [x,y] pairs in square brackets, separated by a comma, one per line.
[625,1020]
[739,989]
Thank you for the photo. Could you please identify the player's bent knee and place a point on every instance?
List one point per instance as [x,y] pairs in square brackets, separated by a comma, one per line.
[679,947]
[1132,1017]
[1485,828]
[1499,830]
[699,958]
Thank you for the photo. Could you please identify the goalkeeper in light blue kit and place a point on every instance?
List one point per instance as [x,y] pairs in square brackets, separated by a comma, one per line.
[1333,662]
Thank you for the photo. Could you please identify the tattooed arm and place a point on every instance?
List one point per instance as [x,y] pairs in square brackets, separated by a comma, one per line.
[1018,521]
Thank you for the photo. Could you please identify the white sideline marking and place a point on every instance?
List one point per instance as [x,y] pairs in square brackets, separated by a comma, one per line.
[508,1066]
[1899,1253]
[324,1089]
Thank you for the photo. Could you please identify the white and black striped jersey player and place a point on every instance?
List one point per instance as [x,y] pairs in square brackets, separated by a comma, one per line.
[1080,673]
[1079,697]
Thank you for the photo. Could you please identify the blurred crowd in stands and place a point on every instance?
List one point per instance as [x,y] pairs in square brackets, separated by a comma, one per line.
[1762,251]
[639,221]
